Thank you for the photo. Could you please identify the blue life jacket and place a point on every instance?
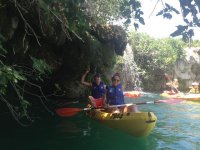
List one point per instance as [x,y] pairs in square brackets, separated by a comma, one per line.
[98,90]
[115,95]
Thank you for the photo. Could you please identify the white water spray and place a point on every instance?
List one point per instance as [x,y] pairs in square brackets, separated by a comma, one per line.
[130,70]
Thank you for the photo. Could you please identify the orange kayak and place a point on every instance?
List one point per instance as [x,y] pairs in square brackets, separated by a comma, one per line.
[132,94]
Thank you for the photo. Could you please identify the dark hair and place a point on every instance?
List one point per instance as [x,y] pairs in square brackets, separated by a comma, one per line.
[97,75]
[116,74]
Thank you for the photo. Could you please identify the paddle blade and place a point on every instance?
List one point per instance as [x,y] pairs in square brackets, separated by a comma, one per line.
[170,101]
[68,112]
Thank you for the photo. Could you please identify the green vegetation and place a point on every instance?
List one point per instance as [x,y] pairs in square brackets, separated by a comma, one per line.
[15,78]
[104,11]
[195,43]
[46,45]
[154,57]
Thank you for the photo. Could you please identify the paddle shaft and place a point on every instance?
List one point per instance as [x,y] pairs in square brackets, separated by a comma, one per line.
[73,111]
[150,102]
[68,103]
[169,101]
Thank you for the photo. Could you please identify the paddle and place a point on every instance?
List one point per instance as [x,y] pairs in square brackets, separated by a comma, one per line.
[68,112]
[167,101]
[68,103]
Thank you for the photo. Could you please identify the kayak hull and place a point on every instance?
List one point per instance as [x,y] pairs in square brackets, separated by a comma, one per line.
[138,124]
[189,97]
[192,97]
[132,94]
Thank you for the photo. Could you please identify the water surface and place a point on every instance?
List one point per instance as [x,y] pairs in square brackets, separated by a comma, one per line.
[178,127]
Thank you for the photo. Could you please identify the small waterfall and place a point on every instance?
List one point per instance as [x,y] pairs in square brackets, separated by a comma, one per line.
[130,71]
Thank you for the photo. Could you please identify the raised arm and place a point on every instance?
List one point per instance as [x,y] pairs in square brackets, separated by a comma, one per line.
[83,78]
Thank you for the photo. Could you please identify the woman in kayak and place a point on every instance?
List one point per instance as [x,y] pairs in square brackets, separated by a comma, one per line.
[195,88]
[97,87]
[114,96]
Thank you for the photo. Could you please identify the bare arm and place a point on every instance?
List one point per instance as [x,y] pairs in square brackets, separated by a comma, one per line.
[83,79]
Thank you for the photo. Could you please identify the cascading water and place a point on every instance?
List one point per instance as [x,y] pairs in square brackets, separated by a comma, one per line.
[130,71]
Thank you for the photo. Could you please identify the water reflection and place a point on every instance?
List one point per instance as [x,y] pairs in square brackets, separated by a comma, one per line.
[74,128]
[177,128]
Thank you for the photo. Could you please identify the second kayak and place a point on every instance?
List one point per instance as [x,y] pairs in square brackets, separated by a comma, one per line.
[190,97]
[132,94]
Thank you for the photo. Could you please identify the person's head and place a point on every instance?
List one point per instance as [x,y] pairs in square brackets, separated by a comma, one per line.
[169,84]
[116,79]
[97,78]
[195,85]
[176,80]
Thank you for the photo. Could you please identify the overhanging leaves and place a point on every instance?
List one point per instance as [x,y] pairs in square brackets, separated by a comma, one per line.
[179,31]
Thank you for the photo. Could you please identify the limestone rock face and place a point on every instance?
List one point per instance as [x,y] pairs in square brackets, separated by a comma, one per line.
[112,35]
[188,69]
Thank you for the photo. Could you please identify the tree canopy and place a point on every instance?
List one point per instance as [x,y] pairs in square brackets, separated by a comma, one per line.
[130,11]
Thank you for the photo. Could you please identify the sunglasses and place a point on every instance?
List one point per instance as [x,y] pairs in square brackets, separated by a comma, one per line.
[116,80]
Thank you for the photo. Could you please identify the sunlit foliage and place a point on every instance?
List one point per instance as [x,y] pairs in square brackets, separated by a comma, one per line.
[154,56]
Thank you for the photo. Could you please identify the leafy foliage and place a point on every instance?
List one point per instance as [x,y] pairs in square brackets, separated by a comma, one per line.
[41,67]
[195,43]
[104,11]
[166,12]
[9,75]
[76,17]
[131,9]
[190,10]
[154,56]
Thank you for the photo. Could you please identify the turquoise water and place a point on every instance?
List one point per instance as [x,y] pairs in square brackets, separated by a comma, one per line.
[178,127]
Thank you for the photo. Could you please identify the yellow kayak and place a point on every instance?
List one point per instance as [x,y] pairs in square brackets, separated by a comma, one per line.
[138,124]
[178,95]
[190,97]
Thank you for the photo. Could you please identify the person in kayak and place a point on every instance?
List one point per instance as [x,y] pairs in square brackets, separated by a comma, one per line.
[195,88]
[168,84]
[174,86]
[97,88]
[114,96]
